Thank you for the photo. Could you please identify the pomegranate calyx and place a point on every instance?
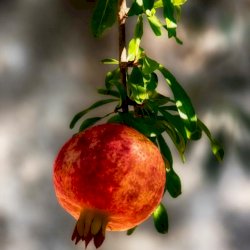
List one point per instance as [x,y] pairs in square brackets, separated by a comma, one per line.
[90,225]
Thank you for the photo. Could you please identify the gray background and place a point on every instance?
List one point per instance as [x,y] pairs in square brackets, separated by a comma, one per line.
[50,69]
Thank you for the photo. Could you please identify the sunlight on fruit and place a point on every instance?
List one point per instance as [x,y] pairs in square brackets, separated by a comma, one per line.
[109,177]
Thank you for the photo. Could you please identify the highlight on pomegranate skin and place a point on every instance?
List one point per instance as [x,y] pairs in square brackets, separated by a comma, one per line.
[109,177]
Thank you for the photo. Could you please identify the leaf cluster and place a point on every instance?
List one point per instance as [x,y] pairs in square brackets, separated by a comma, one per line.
[160,14]
[155,115]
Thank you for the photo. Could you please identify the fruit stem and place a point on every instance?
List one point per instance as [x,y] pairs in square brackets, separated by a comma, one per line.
[122,16]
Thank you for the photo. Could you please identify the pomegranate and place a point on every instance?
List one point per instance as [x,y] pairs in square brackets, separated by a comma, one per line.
[109,177]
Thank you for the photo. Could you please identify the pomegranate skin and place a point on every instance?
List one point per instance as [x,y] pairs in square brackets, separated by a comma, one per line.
[112,169]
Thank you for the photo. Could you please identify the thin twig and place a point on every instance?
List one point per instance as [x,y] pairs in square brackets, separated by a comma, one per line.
[122,15]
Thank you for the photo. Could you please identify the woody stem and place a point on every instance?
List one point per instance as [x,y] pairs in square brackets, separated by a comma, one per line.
[122,15]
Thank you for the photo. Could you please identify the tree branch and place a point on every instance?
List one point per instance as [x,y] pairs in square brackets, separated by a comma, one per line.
[122,15]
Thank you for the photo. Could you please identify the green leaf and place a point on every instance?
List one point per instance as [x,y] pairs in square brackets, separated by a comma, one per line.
[139,28]
[134,44]
[165,151]
[161,219]
[110,61]
[136,8]
[154,140]
[176,121]
[85,111]
[112,76]
[149,65]
[109,92]
[177,138]
[113,80]
[217,150]
[138,93]
[136,77]
[216,147]
[178,2]
[150,127]
[137,88]
[158,4]
[115,119]
[170,108]
[171,13]
[89,122]
[151,83]
[155,24]
[133,49]
[148,4]
[183,102]
[121,90]
[173,184]
[159,99]
[168,13]
[153,104]
[172,33]
[104,16]
[196,135]
[131,230]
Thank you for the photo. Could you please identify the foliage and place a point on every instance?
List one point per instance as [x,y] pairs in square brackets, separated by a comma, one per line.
[150,112]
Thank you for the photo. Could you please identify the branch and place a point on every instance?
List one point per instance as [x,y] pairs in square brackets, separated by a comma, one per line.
[122,16]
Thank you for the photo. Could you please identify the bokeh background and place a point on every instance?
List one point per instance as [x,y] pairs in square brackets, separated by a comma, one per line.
[50,69]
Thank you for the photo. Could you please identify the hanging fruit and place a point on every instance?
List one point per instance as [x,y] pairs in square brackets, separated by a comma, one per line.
[113,176]
[109,177]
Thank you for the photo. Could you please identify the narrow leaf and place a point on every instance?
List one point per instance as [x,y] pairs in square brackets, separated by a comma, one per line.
[165,150]
[104,16]
[89,122]
[131,230]
[183,102]
[139,28]
[176,121]
[110,61]
[112,76]
[160,99]
[177,138]
[136,76]
[109,92]
[216,147]
[134,44]
[172,33]
[115,119]
[136,8]
[137,88]
[149,65]
[168,13]
[178,2]
[121,90]
[85,111]
[173,183]
[155,24]
[148,4]
[161,219]
[151,83]
[132,49]
[170,108]
[150,127]
[138,93]
[154,104]
[158,4]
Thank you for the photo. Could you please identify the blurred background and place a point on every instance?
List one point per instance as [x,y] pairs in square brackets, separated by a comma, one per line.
[50,69]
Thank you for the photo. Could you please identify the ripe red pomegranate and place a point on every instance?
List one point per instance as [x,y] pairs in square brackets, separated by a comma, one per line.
[109,177]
